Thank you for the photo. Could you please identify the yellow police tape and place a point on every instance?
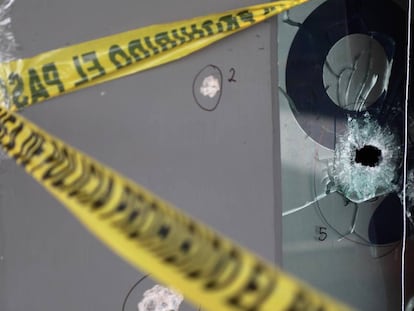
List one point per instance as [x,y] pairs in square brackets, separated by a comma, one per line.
[28,81]
[207,268]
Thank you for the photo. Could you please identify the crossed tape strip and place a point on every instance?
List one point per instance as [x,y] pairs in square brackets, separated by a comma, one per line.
[32,80]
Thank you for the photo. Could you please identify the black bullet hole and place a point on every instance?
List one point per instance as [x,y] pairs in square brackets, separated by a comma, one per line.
[368,156]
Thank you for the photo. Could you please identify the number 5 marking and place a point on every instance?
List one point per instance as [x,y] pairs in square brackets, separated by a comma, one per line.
[321,232]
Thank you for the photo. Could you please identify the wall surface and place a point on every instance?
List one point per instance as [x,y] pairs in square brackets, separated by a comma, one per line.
[218,166]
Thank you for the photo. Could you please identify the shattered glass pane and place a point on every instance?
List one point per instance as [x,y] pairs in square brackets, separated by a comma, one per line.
[409,198]
[341,104]
[8,48]
[357,71]
[8,44]
[367,160]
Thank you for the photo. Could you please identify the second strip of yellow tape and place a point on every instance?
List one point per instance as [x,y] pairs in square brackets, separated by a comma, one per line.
[148,232]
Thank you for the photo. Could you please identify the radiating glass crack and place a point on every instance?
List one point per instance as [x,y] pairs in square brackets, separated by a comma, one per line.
[367,160]
[366,163]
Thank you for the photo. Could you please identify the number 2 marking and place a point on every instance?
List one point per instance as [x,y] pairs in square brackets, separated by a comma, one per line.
[233,73]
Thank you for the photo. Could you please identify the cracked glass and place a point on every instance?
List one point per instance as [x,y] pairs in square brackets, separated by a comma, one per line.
[341,70]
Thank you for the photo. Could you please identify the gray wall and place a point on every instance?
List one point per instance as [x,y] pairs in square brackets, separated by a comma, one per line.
[218,166]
